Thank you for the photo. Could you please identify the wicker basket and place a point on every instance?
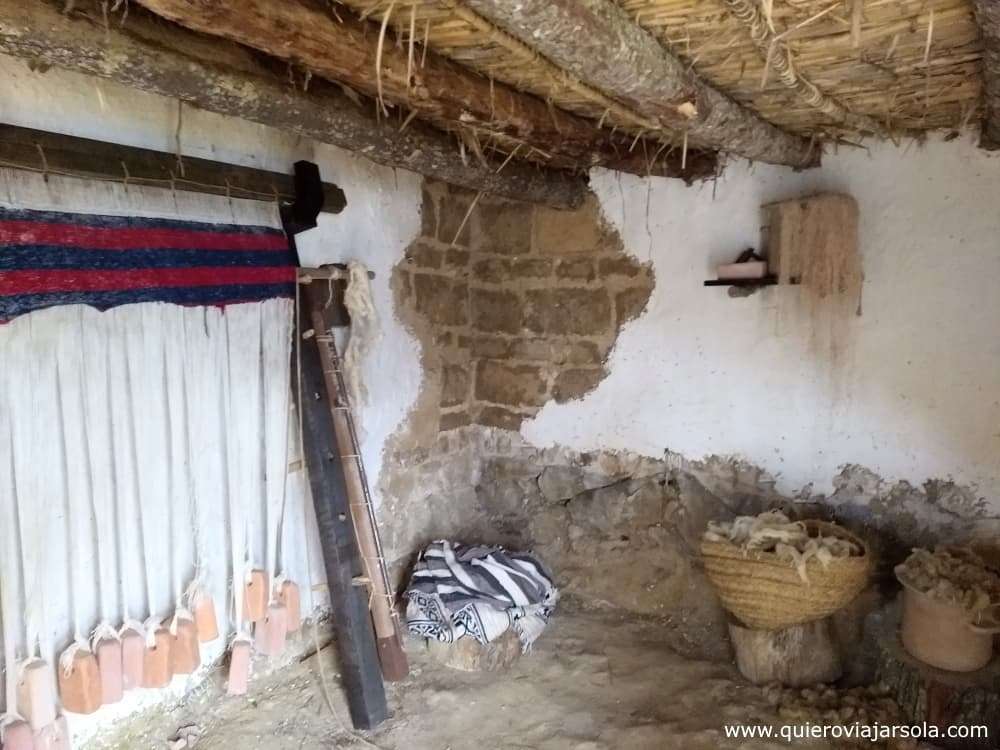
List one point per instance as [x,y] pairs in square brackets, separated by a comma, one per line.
[766,593]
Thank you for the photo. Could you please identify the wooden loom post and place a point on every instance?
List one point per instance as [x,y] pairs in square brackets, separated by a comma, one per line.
[359,665]
[391,654]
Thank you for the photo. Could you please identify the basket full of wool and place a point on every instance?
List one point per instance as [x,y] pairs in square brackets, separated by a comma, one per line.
[772,572]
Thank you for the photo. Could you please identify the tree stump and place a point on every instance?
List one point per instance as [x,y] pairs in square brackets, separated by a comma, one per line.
[468,655]
[795,657]
[940,698]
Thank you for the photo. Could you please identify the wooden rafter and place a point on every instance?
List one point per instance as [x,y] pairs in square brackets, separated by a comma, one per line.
[599,43]
[218,77]
[366,58]
[988,16]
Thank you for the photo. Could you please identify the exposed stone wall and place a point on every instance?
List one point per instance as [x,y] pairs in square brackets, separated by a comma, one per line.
[515,304]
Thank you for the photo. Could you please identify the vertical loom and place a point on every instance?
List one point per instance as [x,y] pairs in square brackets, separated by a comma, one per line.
[351,550]
[387,630]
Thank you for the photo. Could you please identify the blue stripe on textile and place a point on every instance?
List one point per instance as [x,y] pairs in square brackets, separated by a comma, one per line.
[27,257]
[11,307]
[130,222]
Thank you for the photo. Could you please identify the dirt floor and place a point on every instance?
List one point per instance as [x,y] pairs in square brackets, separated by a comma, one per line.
[594,681]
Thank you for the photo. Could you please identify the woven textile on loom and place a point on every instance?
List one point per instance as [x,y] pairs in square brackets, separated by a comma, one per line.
[50,258]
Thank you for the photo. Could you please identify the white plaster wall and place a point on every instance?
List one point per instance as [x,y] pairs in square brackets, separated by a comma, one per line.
[915,392]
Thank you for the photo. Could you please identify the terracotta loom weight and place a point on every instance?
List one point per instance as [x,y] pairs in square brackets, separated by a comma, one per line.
[288,594]
[79,681]
[18,736]
[239,667]
[109,660]
[205,621]
[36,698]
[185,654]
[133,658]
[157,669]
[255,596]
[269,637]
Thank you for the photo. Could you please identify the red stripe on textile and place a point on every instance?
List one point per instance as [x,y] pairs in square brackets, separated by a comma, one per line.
[39,282]
[113,238]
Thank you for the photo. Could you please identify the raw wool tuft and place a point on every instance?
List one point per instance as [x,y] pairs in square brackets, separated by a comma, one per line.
[773,531]
[364,333]
[957,576]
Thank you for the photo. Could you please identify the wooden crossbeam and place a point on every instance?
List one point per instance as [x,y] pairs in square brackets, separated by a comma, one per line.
[55,153]
[359,54]
[600,44]
[213,75]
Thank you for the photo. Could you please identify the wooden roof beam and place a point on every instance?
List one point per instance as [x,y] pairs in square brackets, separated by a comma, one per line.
[216,76]
[599,43]
[988,16]
[366,57]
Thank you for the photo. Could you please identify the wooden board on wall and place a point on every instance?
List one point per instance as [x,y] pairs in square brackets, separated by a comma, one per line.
[814,241]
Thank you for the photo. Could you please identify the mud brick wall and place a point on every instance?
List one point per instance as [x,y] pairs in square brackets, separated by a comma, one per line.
[514,304]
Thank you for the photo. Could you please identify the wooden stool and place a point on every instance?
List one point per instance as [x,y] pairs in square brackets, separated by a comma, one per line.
[795,657]
[938,697]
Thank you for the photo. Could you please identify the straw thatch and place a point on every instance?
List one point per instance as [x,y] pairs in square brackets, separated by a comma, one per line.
[823,68]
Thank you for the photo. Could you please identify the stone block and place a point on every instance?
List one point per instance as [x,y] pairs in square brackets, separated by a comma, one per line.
[513,385]
[619,265]
[578,353]
[496,416]
[456,258]
[630,303]
[576,382]
[559,232]
[578,269]
[490,347]
[453,420]
[530,268]
[402,282]
[496,311]
[454,385]
[536,350]
[443,301]
[491,270]
[452,209]
[568,311]
[422,255]
[503,228]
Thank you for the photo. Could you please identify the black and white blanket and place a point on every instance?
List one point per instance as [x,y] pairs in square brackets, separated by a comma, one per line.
[479,592]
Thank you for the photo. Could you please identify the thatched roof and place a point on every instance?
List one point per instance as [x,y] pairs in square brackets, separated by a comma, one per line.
[523,98]
[910,65]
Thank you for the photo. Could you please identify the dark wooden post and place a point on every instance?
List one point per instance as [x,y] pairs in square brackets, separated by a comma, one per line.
[359,663]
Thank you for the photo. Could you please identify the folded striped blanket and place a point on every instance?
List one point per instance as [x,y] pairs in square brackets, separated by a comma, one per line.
[459,591]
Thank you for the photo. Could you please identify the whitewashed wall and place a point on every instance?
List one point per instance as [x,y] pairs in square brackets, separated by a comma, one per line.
[202,348]
[912,387]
